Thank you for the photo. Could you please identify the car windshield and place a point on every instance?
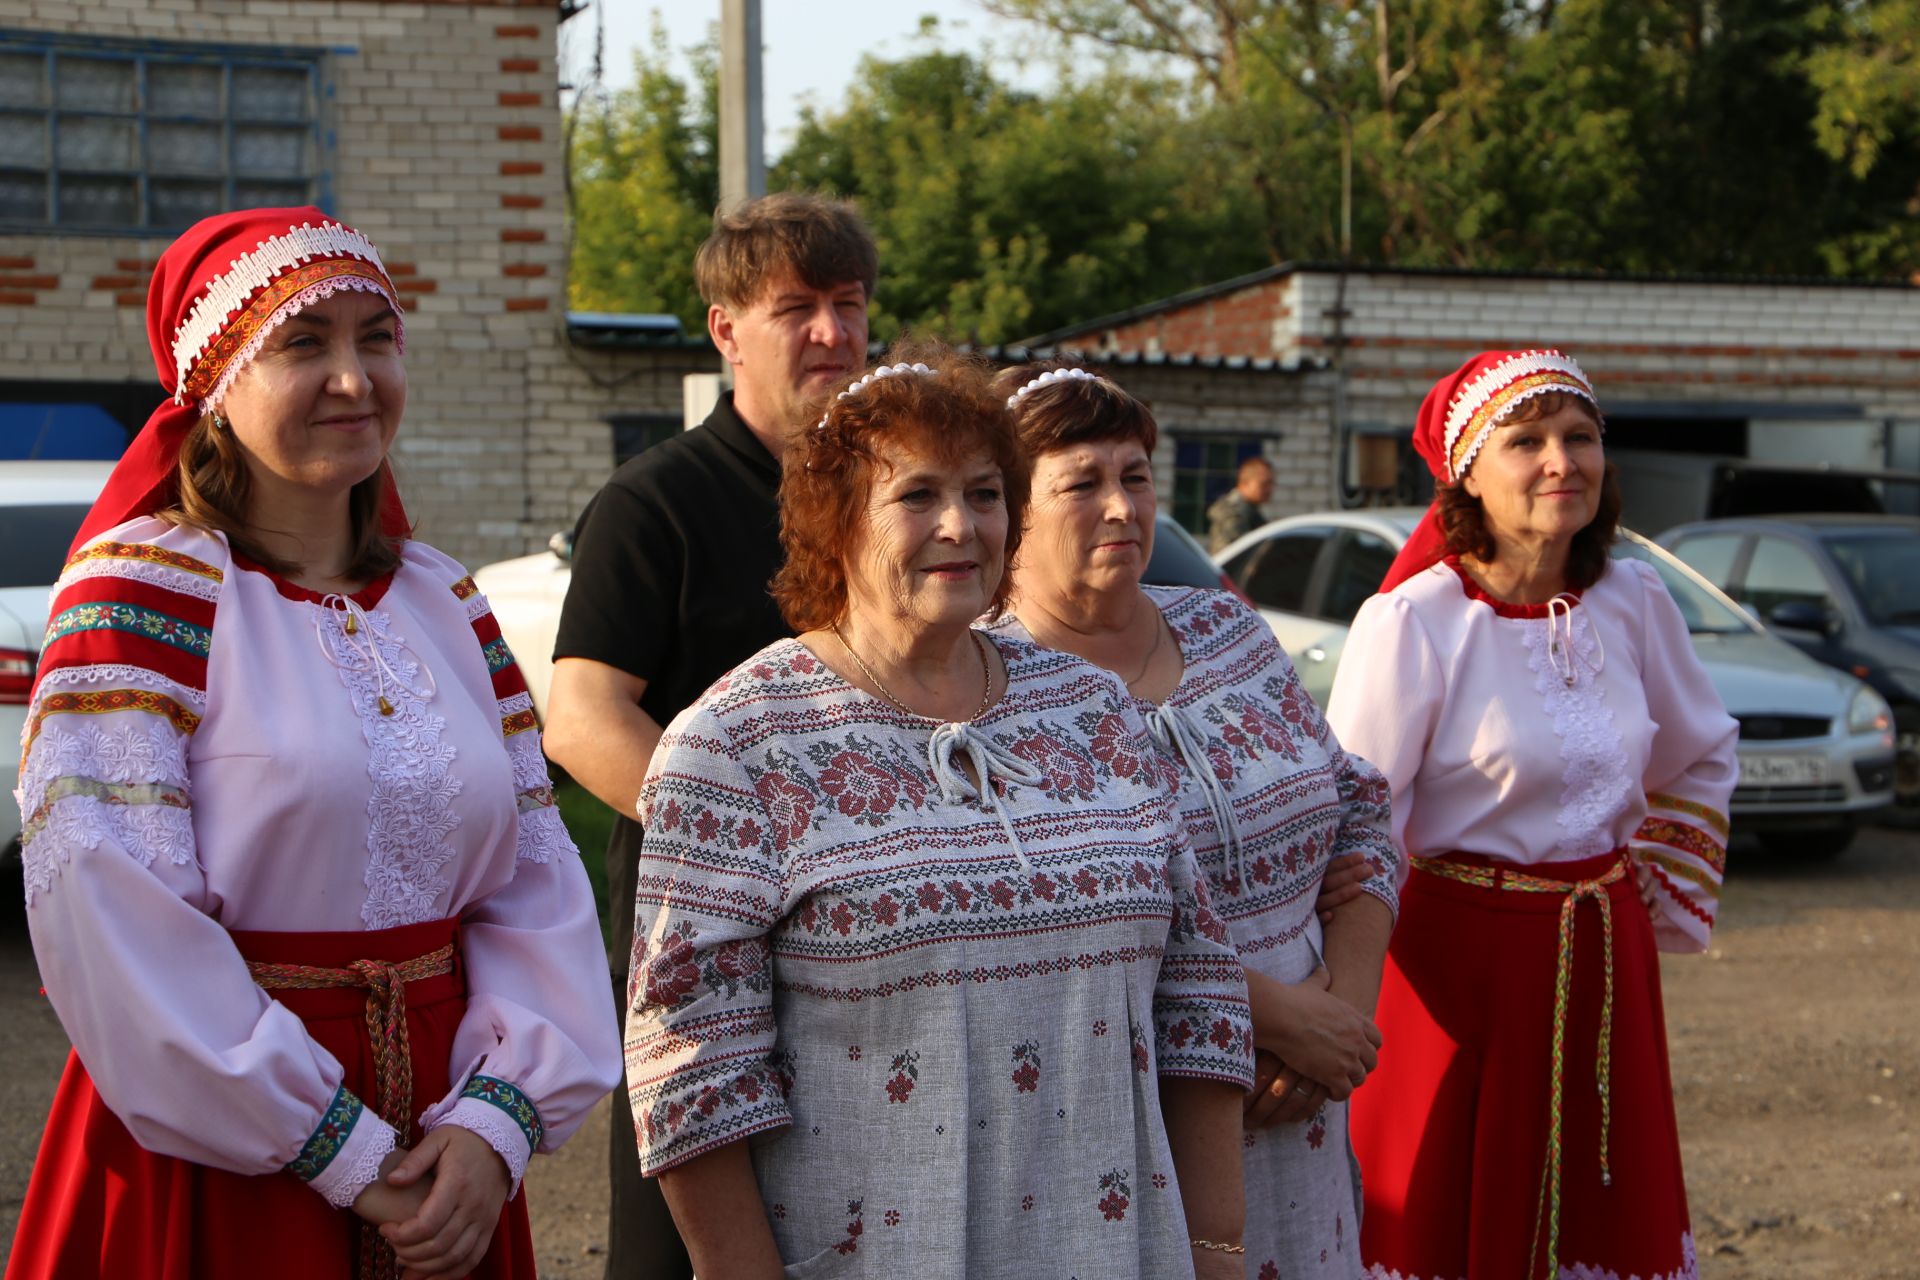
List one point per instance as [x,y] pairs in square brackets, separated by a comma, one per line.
[36,539]
[1882,568]
[1706,614]
[1178,562]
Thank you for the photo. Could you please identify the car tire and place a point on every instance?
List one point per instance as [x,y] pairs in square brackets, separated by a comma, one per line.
[1819,843]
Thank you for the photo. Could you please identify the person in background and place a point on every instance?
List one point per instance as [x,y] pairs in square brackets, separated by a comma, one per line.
[1268,797]
[672,562]
[297,886]
[1552,744]
[925,983]
[1240,510]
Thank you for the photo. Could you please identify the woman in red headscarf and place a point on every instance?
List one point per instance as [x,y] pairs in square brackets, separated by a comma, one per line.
[297,888]
[1560,769]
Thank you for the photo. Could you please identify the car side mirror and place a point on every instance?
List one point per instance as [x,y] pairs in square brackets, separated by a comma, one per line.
[561,544]
[1804,615]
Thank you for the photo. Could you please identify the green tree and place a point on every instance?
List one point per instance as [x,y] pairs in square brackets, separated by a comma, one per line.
[1867,81]
[644,179]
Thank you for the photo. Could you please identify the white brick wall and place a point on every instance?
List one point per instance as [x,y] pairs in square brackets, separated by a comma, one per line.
[504,436]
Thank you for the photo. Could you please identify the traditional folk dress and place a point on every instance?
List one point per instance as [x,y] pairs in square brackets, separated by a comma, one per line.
[1521,1120]
[941,1012]
[1268,798]
[236,859]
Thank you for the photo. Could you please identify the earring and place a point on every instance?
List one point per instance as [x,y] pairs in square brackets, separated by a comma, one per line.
[219,423]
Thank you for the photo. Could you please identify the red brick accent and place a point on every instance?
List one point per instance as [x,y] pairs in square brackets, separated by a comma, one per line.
[526,304]
[519,99]
[402,269]
[130,298]
[115,282]
[517,235]
[16,264]
[516,33]
[9,299]
[520,133]
[522,202]
[416,286]
[523,270]
[518,168]
[134,265]
[29,282]
[519,66]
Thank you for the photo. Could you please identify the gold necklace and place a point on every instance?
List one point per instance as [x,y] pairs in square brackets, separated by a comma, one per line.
[986,677]
[1159,629]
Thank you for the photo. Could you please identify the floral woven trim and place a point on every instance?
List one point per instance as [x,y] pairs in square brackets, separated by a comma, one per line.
[498,656]
[466,588]
[146,552]
[1686,839]
[109,793]
[506,1097]
[328,1137]
[137,619]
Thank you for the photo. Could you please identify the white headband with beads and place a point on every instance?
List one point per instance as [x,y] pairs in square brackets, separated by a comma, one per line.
[1052,376]
[884,371]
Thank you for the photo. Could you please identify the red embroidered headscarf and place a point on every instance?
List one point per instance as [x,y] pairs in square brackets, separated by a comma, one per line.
[1455,419]
[217,292]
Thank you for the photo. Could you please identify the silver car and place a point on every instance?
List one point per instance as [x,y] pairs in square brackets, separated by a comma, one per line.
[1816,745]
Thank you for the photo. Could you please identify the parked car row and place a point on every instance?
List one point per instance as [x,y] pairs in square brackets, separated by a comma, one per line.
[1816,745]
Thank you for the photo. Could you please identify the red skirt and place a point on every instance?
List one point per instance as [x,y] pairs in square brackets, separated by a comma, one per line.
[100,1205]
[1452,1130]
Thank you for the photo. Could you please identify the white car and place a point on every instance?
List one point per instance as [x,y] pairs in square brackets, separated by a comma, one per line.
[1816,745]
[526,593]
[41,507]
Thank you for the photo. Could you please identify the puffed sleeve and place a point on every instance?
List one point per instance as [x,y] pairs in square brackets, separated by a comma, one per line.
[1689,779]
[540,1041]
[1386,701]
[185,1049]
[701,1065]
[1366,811]
[1203,1021]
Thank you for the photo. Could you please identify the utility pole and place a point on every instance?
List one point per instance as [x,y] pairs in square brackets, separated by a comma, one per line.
[743,161]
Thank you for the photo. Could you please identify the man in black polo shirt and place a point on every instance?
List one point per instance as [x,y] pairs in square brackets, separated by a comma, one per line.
[671,562]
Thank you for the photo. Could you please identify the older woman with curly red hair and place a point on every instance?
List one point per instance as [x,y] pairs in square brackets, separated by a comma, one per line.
[925,982]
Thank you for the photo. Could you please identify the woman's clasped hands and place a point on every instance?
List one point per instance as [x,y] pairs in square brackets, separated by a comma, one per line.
[1311,1046]
[438,1204]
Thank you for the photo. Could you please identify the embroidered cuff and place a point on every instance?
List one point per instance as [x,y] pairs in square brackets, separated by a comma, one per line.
[500,1113]
[344,1152]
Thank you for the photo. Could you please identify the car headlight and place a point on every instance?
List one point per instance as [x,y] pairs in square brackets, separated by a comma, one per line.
[1869,713]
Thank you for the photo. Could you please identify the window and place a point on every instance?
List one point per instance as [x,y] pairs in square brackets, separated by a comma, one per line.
[1711,555]
[635,433]
[1782,573]
[99,135]
[1275,574]
[1358,567]
[36,539]
[1204,467]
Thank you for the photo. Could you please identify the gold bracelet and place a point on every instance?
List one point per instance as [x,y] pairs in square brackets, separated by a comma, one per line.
[1214,1246]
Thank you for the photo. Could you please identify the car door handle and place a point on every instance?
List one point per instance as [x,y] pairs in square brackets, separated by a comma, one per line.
[1315,654]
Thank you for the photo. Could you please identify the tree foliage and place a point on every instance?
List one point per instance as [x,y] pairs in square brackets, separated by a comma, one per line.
[1215,136]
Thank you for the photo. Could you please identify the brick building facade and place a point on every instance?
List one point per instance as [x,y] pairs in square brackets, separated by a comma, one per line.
[432,127]
[1693,372]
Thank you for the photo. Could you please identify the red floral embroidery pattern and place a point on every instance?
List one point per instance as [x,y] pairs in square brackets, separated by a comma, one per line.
[672,970]
[978,896]
[1026,1070]
[852,1243]
[1113,1204]
[905,1073]
[789,807]
[1142,1055]
[1068,769]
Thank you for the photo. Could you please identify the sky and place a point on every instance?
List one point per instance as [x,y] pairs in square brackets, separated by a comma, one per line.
[804,56]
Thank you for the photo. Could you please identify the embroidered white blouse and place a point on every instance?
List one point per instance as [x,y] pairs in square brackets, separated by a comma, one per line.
[1508,732]
[204,753]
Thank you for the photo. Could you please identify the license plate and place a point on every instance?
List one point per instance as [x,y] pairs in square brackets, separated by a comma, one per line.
[1782,771]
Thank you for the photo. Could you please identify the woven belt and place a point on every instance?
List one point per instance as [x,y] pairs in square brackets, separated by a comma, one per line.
[386,986]
[1572,893]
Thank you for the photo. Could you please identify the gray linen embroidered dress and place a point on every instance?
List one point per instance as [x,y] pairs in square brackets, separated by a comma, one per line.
[1268,798]
[940,1013]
